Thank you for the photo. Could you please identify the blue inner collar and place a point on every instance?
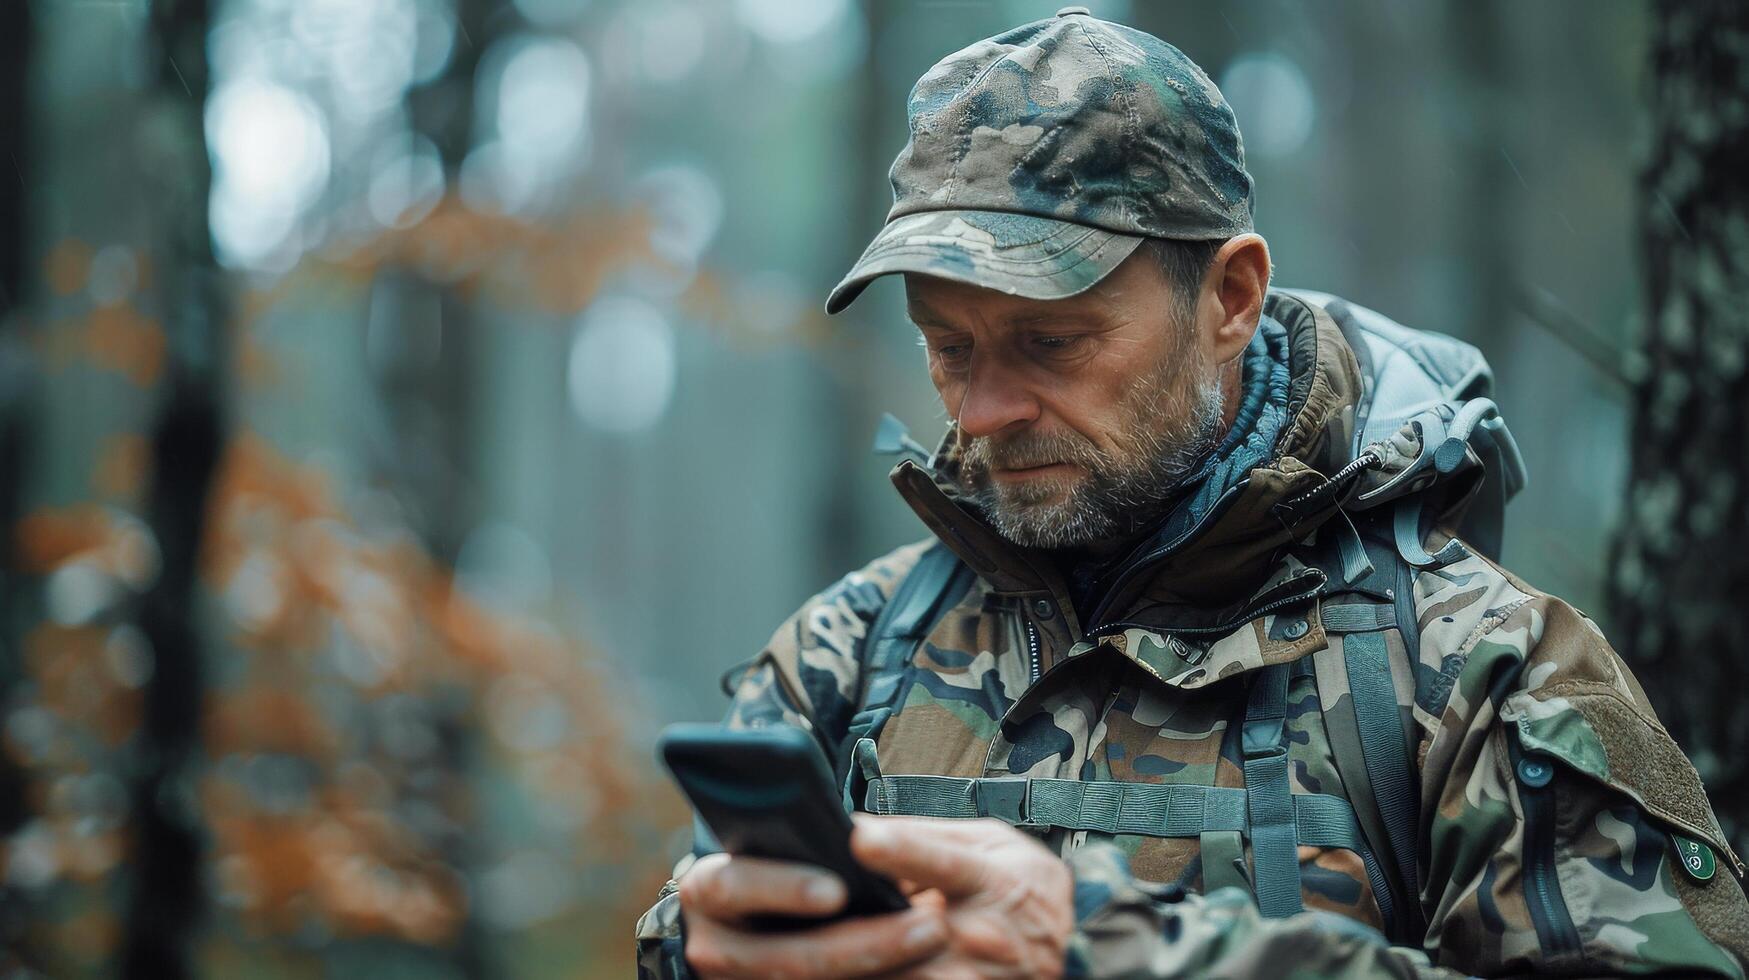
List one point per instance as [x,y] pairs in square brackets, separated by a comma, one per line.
[1251,442]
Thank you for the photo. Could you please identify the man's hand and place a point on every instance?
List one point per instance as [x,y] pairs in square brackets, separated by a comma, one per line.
[987,901]
[1009,902]
[719,893]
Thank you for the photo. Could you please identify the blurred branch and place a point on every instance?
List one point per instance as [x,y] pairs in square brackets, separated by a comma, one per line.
[1546,312]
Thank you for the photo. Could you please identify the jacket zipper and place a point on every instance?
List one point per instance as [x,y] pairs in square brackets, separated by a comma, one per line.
[1129,569]
[1542,887]
[1034,662]
[1224,628]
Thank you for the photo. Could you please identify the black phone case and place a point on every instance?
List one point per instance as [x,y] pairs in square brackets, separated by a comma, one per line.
[766,792]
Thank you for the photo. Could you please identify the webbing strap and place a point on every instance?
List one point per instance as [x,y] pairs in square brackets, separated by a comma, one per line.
[1331,672]
[1356,566]
[1356,617]
[1148,809]
[1275,855]
[1378,718]
[1406,528]
[892,639]
[911,610]
[1223,861]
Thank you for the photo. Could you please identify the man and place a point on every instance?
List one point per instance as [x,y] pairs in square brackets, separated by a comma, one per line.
[1173,582]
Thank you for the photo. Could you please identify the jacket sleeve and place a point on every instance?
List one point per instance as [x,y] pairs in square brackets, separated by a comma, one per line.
[806,677]
[1564,831]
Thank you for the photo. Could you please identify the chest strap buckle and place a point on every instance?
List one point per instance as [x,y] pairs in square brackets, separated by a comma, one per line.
[1262,737]
[1003,797]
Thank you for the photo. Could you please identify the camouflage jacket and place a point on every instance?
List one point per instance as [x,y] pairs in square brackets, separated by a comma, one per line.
[1576,868]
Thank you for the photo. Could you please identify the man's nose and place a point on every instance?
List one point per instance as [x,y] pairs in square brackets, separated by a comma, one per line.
[994,400]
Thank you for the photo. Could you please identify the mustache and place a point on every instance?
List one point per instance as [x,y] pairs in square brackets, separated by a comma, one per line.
[1028,449]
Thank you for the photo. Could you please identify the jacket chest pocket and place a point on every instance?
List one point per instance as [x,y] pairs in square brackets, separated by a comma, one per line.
[953,694]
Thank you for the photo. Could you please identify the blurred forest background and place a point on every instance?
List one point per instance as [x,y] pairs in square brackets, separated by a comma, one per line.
[409,406]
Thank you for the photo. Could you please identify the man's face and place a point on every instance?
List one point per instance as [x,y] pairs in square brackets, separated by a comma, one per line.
[1078,417]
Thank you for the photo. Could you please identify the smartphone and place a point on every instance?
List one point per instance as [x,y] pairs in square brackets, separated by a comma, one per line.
[766,792]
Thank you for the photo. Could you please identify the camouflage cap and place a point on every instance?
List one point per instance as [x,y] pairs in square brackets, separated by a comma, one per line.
[1041,157]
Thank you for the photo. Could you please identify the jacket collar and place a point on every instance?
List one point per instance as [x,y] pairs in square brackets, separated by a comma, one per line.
[1228,562]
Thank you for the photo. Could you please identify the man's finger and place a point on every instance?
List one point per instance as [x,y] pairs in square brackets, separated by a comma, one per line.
[956,831]
[854,947]
[919,851]
[731,889]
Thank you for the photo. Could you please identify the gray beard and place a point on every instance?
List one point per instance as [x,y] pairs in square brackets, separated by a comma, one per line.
[1168,435]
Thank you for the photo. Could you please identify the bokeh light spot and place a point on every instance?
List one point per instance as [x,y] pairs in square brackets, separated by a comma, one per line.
[1273,101]
[270,161]
[622,366]
[543,102]
[790,21]
[406,183]
[504,567]
[670,40]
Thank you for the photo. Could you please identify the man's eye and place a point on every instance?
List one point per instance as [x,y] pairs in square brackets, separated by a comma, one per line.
[952,352]
[1059,344]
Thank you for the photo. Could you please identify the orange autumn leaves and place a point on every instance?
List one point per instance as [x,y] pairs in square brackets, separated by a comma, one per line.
[314,595]
[322,630]
[113,334]
[307,812]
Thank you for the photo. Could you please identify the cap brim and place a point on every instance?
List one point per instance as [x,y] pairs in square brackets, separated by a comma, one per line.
[1019,254]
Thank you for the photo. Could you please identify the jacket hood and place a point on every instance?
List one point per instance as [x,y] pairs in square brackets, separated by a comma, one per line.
[1227,559]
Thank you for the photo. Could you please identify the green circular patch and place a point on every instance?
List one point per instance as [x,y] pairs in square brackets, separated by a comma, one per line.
[1697,859]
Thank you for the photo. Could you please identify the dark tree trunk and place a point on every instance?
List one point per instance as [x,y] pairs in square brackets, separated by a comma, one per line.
[429,407]
[166,900]
[1681,568]
[15,34]
[429,402]
[15,40]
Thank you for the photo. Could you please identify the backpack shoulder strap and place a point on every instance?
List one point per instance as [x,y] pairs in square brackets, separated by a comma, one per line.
[1268,795]
[904,620]
[1369,740]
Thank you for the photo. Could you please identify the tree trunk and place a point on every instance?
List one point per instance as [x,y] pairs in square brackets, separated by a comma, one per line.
[433,467]
[1681,568]
[166,900]
[16,942]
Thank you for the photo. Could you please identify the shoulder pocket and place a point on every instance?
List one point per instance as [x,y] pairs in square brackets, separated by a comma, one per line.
[1591,728]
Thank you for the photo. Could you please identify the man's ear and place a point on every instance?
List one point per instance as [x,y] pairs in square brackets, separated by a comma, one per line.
[1233,288]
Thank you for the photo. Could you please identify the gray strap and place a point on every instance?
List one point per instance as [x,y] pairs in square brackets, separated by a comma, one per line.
[1356,617]
[1356,566]
[1275,854]
[912,610]
[1223,861]
[1331,672]
[1406,527]
[1147,809]
[1379,720]
[1154,809]
[905,618]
